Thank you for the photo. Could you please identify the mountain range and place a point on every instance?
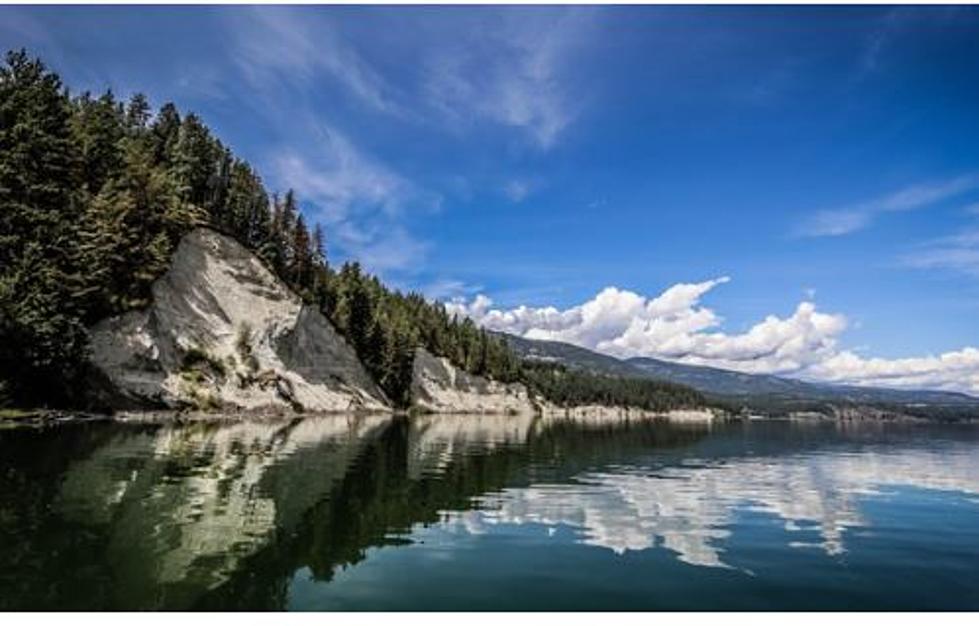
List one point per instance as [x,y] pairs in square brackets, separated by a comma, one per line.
[763,393]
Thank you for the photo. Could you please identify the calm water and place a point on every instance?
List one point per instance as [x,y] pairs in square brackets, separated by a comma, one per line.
[489,513]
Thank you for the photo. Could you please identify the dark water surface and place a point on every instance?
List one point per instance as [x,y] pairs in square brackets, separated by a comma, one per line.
[489,513]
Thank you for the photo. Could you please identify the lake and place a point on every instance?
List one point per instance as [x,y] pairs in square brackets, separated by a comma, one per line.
[489,513]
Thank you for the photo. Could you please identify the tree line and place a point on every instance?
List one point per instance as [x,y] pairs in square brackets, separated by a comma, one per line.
[95,194]
[571,387]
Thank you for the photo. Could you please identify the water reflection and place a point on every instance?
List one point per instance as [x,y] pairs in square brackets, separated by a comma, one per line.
[183,505]
[223,515]
[689,510]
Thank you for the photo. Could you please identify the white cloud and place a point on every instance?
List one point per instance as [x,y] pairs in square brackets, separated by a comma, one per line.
[510,74]
[276,44]
[888,27]
[846,220]
[341,178]
[448,289]
[896,24]
[675,326]
[956,371]
[359,200]
[959,253]
[517,190]
[688,509]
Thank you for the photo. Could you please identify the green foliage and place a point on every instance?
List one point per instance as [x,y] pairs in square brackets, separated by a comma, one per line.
[385,327]
[243,346]
[568,387]
[94,195]
[199,361]
[41,271]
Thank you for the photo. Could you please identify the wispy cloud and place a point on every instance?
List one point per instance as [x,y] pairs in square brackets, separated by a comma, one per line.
[517,190]
[341,179]
[879,38]
[846,220]
[448,289]
[511,75]
[360,200]
[507,68]
[274,45]
[958,253]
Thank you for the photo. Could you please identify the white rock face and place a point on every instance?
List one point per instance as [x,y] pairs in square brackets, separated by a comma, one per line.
[223,331]
[439,387]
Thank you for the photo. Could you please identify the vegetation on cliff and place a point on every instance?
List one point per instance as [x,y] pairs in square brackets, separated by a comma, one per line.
[95,194]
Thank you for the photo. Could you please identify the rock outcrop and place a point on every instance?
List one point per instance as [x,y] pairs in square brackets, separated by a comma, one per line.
[440,387]
[437,386]
[224,332]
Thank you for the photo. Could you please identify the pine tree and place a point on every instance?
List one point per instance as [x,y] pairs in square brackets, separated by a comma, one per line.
[193,161]
[319,246]
[137,114]
[301,256]
[97,128]
[131,226]
[165,131]
[359,313]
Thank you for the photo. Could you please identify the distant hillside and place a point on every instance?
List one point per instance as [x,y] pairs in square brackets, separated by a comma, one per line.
[760,392]
[729,383]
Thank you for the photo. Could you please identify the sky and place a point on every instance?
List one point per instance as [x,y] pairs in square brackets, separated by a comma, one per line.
[789,190]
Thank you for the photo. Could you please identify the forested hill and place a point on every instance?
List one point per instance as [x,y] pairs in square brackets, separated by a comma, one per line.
[762,393]
[95,194]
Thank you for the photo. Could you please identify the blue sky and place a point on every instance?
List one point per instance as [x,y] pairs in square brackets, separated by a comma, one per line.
[819,157]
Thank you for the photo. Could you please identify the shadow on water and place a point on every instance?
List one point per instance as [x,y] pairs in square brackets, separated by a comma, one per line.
[223,515]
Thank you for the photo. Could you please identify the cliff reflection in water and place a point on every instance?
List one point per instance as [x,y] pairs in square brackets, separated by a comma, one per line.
[224,515]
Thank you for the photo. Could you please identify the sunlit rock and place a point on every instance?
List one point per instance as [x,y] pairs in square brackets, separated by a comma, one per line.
[224,332]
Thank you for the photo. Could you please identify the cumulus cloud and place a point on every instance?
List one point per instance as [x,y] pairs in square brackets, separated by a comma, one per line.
[675,326]
[672,325]
[846,220]
[955,371]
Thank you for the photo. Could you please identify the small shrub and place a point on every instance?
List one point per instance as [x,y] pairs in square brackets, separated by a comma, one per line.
[197,360]
[244,347]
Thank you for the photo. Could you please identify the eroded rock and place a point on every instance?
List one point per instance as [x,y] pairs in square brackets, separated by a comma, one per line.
[224,332]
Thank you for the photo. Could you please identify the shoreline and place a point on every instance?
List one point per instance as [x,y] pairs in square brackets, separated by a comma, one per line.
[38,418]
[11,418]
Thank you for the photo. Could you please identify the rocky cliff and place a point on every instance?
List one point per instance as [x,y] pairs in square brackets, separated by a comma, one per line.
[224,332]
[439,387]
